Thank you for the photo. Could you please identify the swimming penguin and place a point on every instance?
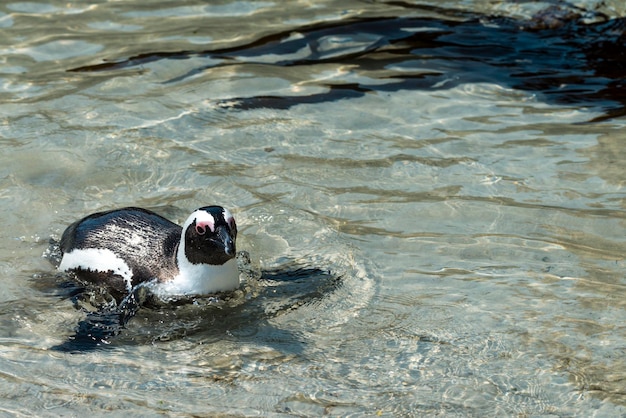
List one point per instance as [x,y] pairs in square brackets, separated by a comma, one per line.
[121,249]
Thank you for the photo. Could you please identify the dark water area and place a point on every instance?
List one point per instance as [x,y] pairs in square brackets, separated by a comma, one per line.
[430,194]
[555,53]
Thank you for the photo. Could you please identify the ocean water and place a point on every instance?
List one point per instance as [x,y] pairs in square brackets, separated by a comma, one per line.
[453,171]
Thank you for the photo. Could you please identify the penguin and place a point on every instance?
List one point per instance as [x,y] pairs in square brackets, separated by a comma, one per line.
[125,248]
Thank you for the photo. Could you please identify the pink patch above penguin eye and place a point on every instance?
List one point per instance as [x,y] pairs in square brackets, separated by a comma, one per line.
[203,225]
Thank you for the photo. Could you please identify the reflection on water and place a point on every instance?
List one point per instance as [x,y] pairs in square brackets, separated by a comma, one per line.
[557,52]
[439,162]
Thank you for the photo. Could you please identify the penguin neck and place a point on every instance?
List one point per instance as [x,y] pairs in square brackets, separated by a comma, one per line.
[200,279]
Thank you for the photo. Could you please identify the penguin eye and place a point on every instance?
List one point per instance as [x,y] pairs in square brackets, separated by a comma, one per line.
[201,230]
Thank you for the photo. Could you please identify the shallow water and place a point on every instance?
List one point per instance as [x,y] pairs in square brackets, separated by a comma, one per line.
[458,166]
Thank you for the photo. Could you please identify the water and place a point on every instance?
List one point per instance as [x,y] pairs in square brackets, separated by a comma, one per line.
[461,177]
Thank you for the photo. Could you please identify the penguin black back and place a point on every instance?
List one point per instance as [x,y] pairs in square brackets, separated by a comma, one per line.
[120,248]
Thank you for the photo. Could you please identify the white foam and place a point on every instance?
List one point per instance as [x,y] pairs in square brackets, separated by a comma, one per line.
[97,259]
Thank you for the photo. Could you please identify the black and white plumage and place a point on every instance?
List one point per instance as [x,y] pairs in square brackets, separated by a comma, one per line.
[123,248]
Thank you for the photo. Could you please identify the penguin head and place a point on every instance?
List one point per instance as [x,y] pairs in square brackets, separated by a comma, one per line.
[209,236]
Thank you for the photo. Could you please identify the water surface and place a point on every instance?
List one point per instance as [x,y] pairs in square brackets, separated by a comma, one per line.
[458,168]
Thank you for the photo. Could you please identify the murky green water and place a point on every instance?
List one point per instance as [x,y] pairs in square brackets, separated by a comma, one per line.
[438,160]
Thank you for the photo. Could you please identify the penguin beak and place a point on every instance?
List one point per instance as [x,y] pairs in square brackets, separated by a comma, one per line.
[229,244]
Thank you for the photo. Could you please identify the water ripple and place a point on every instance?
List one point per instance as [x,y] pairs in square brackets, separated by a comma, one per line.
[444,53]
[438,161]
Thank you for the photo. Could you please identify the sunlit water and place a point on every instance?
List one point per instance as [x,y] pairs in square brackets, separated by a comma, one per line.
[460,175]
